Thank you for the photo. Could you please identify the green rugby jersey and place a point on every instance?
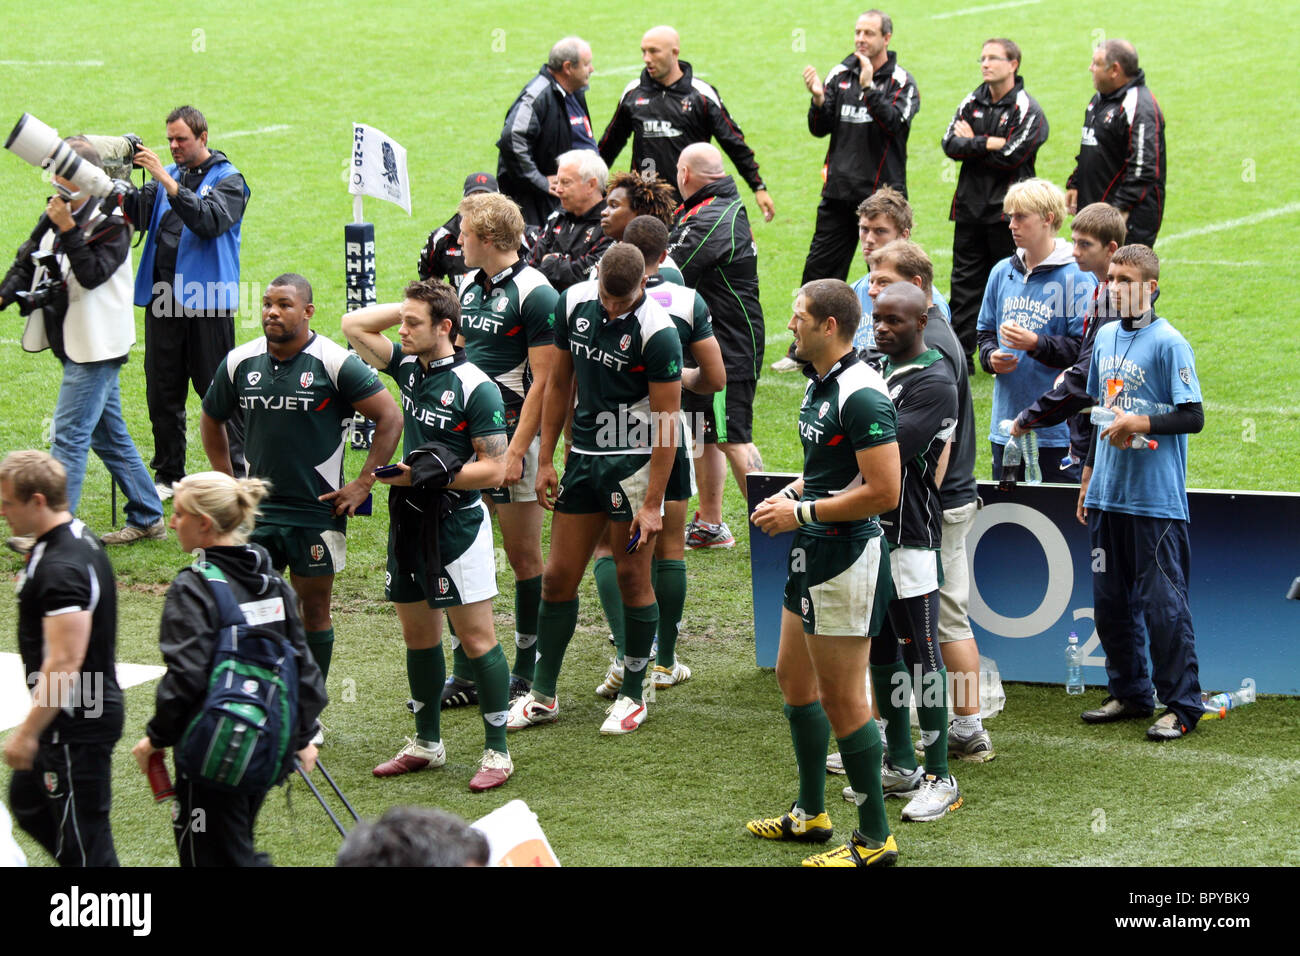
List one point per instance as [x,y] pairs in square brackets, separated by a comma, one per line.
[502,317]
[451,402]
[841,414]
[614,362]
[296,418]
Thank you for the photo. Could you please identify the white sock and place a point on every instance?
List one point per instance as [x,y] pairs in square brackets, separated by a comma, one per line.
[967,724]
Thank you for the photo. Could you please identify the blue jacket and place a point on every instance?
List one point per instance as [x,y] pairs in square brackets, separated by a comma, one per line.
[207,268]
[1051,301]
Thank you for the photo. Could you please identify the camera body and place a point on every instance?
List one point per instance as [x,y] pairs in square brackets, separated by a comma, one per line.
[51,290]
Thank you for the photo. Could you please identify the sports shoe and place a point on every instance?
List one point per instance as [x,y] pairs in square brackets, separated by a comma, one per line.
[1112,710]
[895,782]
[528,711]
[493,770]
[705,535]
[613,682]
[690,530]
[834,763]
[793,825]
[785,364]
[625,716]
[519,687]
[21,544]
[1167,727]
[935,797]
[977,748]
[859,851]
[164,489]
[133,533]
[663,677]
[458,693]
[318,738]
[416,755]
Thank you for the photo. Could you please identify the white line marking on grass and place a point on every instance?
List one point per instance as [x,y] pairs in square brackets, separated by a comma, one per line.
[25,63]
[276,128]
[992,6]
[1232,223]
[15,701]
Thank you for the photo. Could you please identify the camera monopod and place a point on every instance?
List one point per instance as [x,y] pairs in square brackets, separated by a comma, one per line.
[321,799]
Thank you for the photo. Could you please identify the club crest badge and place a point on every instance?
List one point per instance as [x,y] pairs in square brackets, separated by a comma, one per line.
[305,379]
[624,342]
[447,397]
[616,499]
[249,686]
[51,781]
[500,304]
[317,552]
[1186,375]
[826,407]
[804,604]
[443,585]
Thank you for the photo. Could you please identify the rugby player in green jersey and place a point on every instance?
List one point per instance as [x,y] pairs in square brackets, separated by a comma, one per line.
[838,586]
[668,569]
[447,402]
[507,309]
[623,351]
[297,391]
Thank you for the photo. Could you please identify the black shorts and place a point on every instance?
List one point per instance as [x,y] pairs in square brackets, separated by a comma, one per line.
[723,417]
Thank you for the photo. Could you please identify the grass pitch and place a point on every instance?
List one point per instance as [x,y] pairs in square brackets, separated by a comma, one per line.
[280,84]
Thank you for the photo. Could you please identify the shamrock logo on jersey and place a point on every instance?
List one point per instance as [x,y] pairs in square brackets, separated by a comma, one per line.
[875,431]
[550,321]
[254,378]
[672,367]
[498,418]
[305,379]
[447,397]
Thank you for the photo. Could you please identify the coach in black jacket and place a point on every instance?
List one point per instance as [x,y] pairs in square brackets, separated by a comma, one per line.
[866,107]
[995,134]
[1121,158]
[572,240]
[547,118]
[668,109]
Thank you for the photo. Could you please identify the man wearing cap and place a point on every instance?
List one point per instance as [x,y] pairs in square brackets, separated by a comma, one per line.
[442,257]
[547,118]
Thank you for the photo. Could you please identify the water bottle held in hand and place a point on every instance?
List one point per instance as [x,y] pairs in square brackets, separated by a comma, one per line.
[1101,417]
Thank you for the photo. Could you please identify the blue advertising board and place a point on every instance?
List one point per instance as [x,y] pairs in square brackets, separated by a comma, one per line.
[1031,584]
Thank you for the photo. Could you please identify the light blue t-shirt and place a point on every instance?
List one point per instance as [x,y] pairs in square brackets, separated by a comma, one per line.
[1052,300]
[1159,372]
[865,337]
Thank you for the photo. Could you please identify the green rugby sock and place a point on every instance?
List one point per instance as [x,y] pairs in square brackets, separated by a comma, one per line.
[611,599]
[460,668]
[670,592]
[492,674]
[321,645]
[555,623]
[528,599]
[892,687]
[861,753]
[811,732]
[932,715]
[642,622]
[426,670]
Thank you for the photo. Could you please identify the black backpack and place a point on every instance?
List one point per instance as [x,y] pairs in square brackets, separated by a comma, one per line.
[241,740]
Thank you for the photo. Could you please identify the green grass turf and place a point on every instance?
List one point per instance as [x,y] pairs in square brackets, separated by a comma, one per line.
[716,751]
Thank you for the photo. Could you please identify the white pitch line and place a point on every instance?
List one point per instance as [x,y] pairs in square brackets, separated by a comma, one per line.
[993,6]
[1232,223]
[278,127]
[23,63]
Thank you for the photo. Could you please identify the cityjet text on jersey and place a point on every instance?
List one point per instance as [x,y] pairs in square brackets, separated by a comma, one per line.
[277,403]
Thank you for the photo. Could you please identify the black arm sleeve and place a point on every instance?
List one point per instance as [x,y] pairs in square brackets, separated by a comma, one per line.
[1056,351]
[187,638]
[137,204]
[94,260]
[211,215]
[986,341]
[1187,419]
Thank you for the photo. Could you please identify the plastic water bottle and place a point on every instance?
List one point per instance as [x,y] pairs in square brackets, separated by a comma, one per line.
[1033,468]
[1227,701]
[1101,417]
[1073,665]
[1011,457]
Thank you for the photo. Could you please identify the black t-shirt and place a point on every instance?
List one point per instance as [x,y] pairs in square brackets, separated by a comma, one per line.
[68,571]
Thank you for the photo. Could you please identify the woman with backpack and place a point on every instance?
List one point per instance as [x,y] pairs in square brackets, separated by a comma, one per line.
[204,632]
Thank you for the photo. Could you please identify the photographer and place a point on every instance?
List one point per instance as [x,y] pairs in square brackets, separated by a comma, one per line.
[189,281]
[84,315]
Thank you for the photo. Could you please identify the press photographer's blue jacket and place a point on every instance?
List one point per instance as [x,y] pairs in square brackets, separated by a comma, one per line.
[207,270]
